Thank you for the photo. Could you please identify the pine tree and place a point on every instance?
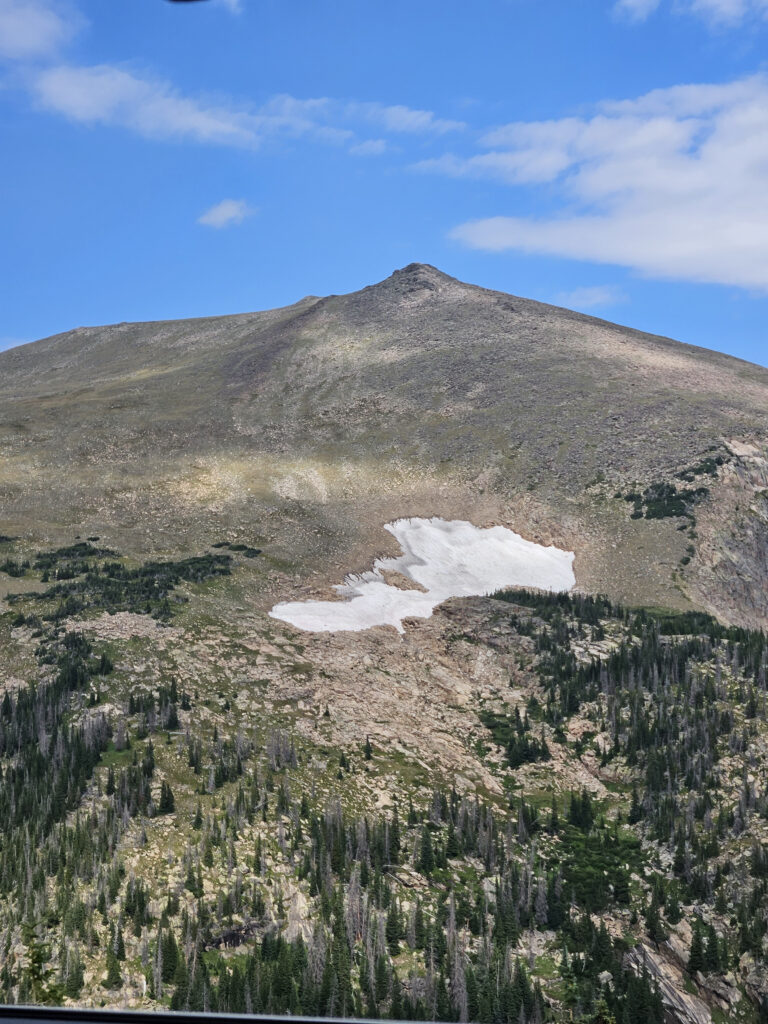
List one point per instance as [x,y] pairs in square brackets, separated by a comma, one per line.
[653,922]
[190,882]
[473,997]
[114,978]
[696,955]
[621,891]
[170,955]
[451,842]
[393,929]
[167,803]
[673,907]
[635,810]
[711,951]
[419,929]
[382,979]
[73,982]
[602,1014]
[426,853]
[721,901]
[181,981]
[394,838]
[554,817]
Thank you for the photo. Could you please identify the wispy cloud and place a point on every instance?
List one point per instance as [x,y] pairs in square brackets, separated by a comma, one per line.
[109,95]
[729,11]
[592,297]
[226,213]
[635,10]
[293,116]
[671,184]
[515,167]
[30,29]
[405,119]
[32,32]
[370,147]
[151,107]
[716,12]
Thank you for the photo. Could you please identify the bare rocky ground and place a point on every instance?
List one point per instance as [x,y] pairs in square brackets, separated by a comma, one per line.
[415,696]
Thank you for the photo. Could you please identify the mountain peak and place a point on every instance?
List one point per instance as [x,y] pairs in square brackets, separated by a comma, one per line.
[416,277]
[422,270]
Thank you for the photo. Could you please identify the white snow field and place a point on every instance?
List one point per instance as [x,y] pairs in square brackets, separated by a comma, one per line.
[449,559]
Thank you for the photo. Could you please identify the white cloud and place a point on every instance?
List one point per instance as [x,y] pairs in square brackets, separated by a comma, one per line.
[370,147]
[226,213]
[34,28]
[109,95]
[292,116]
[716,12]
[592,297]
[729,11]
[405,119]
[636,10]
[513,167]
[672,185]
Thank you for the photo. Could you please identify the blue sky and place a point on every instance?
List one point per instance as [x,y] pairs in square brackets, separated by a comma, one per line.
[168,160]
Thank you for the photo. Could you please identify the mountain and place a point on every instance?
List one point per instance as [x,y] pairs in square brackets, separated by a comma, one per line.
[309,427]
[525,806]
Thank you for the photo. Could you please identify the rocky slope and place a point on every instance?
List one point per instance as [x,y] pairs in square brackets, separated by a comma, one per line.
[304,429]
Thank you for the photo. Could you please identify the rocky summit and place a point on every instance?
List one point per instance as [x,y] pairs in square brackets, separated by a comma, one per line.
[524,805]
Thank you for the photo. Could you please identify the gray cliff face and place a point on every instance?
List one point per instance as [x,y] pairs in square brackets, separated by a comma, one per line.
[732,576]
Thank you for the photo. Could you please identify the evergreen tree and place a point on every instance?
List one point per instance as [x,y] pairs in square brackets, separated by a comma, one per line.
[393,929]
[114,978]
[167,803]
[554,816]
[74,977]
[419,928]
[696,955]
[673,907]
[711,955]
[653,923]
[426,853]
[635,810]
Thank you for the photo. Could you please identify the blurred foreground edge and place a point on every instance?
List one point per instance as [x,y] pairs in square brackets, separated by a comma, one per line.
[91,1015]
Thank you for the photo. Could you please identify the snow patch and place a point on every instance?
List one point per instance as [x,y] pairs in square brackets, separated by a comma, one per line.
[449,559]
